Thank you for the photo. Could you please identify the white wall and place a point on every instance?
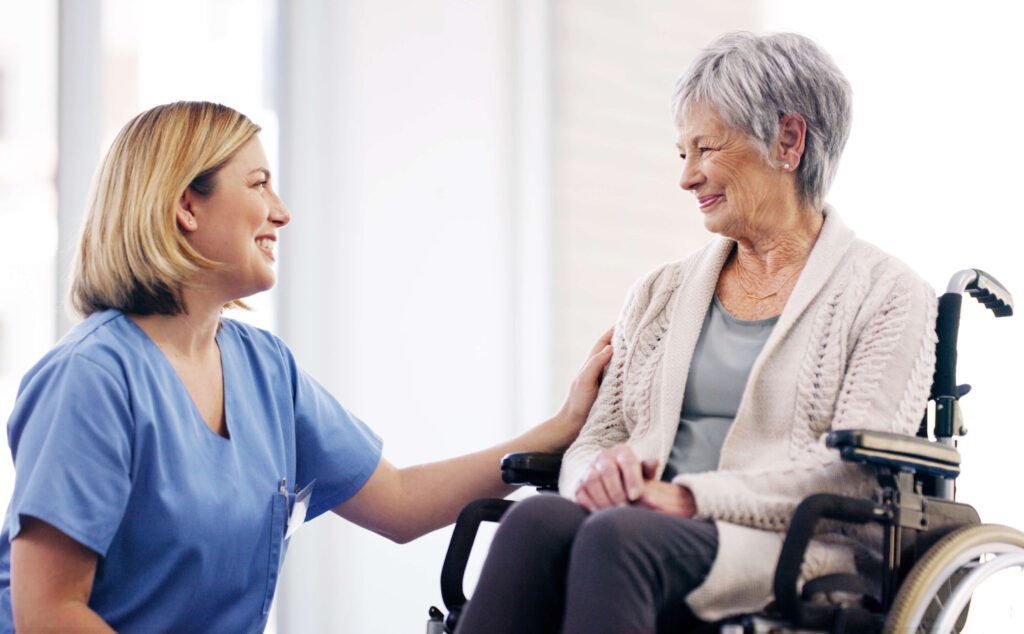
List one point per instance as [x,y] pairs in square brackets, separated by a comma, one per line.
[28,155]
[397,270]
[618,210]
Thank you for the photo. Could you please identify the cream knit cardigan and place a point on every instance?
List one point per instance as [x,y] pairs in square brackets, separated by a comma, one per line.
[854,348]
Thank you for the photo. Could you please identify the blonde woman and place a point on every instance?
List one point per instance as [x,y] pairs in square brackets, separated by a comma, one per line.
[161,449]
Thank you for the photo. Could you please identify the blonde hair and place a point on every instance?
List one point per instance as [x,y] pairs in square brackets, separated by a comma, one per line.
[132,255]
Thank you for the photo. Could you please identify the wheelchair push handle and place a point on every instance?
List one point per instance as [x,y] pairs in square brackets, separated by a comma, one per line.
[987,290]
[993,295]
[983,287]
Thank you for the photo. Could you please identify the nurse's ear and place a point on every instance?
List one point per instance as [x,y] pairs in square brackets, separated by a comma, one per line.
[184,211]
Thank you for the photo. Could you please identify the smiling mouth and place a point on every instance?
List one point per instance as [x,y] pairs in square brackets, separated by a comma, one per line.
[707,201]
[267,246]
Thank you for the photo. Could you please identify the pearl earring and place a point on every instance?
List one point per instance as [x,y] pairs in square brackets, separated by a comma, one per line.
[786,167]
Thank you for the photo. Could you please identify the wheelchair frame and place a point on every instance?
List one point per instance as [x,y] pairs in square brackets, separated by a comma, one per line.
[933,546]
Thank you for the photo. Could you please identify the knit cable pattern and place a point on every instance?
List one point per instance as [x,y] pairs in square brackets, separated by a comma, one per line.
[623,401]
[915,396]
[816,397]
[868,365]
[767,499]
[647,351]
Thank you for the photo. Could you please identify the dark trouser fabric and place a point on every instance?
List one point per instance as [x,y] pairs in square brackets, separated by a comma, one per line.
[553,567]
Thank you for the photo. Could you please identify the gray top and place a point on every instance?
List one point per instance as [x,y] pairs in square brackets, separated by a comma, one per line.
[722,360]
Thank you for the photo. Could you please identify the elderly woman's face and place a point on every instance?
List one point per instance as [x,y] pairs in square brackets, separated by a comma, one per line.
[736,189]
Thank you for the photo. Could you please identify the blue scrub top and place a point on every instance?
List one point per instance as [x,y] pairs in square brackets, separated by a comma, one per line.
[189,526]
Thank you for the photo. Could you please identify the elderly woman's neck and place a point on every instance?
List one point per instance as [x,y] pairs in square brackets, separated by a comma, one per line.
[785,244]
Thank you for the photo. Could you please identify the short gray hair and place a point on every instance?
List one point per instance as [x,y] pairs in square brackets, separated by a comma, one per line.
[753,80]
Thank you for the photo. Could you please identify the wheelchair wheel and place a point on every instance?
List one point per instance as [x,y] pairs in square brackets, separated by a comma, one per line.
[942,583]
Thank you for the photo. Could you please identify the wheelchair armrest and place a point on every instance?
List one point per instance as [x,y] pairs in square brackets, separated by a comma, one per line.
[908,453]
[798,538]
[455,560]
[532,468]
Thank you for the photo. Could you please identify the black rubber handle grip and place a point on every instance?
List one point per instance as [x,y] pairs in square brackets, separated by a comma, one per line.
[947,327]
[987,290]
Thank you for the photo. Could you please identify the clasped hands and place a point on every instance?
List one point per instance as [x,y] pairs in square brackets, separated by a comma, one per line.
[616,477]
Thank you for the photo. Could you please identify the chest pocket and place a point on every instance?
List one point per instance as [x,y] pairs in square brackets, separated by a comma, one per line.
[278,524]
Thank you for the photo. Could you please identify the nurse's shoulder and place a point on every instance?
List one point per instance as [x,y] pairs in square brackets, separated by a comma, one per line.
[98,340]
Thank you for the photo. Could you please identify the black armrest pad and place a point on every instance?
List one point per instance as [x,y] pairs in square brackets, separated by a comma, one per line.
[531,468]
[908,452]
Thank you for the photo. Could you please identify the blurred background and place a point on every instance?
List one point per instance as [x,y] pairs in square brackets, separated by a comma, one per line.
[475,184]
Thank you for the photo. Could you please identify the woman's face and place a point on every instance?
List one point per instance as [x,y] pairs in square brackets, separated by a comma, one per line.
[237,224]
[736,189]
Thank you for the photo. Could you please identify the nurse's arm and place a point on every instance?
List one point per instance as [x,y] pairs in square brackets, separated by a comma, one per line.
[51,580]
[402,504]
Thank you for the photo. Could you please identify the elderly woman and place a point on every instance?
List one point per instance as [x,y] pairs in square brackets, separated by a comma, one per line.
[729,369]
[164,454]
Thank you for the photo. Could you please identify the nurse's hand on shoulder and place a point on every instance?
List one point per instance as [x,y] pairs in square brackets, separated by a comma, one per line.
[583,391]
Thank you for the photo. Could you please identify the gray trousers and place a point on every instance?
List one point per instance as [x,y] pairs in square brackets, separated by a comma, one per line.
[553,567]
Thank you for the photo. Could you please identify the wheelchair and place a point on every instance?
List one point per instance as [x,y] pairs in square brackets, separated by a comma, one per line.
[935,554]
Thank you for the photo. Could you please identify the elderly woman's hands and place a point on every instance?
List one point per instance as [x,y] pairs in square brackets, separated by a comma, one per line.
[672,499]
[617,477]
[614,478]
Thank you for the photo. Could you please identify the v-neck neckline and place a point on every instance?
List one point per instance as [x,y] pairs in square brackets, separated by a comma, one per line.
[196,414]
